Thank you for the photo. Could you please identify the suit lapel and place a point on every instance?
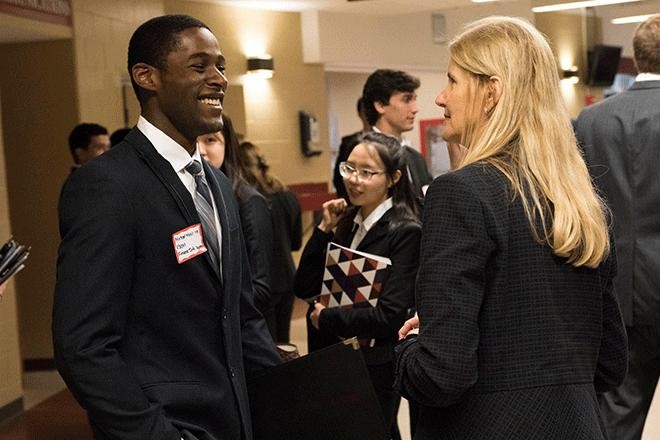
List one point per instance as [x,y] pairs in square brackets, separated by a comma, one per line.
[166,174]
[376,233]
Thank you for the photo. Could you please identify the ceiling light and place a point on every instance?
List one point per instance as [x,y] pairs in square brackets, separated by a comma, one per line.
[631,19]
[577,5]
[484,1]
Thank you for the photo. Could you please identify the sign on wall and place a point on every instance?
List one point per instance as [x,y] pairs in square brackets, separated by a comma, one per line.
[51,11]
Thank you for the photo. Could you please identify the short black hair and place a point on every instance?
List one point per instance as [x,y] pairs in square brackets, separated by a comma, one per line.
[380,87]
[118,135]
[81,136]
[155,39]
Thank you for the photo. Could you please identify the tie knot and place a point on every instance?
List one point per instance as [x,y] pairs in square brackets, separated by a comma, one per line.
[194,168]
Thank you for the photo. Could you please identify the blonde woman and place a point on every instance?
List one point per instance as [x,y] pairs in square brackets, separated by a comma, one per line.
[518,325]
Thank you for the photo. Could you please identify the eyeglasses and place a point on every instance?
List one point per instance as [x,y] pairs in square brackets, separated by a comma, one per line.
[347,171]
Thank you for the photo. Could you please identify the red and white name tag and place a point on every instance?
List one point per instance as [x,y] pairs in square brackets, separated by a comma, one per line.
[188,243]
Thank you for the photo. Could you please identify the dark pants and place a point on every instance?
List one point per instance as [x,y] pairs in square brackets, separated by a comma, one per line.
[282,316]
[625,408]
[382,378]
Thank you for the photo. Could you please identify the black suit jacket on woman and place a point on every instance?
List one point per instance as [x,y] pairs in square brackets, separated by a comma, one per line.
[153,349]
[258,234]
[514,341]
[381,322]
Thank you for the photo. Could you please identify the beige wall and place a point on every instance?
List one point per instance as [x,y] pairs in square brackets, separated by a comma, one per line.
[352,42]
[622,34]
[271,106]
[101,33]
[10,366]
[364,44]
[40,107]
[566,33]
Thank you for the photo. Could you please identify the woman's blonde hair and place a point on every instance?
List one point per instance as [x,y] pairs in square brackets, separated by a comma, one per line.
[528,136]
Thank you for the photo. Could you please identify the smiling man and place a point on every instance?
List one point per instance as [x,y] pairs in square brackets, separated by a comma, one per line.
[154,337]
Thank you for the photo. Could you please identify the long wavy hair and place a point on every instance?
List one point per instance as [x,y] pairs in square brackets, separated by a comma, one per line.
[528,136]
[258,170]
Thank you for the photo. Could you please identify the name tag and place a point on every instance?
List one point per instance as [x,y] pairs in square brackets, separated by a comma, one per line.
[188,243]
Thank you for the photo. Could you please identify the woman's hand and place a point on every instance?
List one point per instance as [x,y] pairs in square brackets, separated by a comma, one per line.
[314,316]
[332,212]
[410,327]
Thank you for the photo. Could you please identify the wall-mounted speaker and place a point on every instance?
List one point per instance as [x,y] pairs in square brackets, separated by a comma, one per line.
[439,28]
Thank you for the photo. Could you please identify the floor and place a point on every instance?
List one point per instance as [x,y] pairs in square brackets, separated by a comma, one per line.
[54,415]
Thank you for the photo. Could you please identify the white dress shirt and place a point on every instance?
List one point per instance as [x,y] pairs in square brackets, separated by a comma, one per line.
[364,225]
[645,76]
[179,158]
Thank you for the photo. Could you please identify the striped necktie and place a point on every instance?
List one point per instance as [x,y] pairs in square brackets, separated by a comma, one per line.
[204,205]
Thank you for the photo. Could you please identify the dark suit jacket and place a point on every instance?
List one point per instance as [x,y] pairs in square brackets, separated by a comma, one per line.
[287,237]
[419,173]
[258,234]
[514,341]
[153,349]
[381,322]
[621,141]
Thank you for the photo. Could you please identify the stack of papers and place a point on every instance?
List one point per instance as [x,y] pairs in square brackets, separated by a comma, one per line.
[12,259]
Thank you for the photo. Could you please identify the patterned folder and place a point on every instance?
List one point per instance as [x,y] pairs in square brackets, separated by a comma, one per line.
[352,278]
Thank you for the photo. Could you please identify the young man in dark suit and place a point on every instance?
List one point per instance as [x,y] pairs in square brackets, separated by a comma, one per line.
[155,336]
[390,104]
[621,141]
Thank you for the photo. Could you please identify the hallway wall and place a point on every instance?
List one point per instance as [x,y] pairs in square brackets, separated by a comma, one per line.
[10,366]
[271,106]
[40,107]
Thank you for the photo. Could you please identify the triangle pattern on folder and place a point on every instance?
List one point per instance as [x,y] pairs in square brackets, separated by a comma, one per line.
[352,278]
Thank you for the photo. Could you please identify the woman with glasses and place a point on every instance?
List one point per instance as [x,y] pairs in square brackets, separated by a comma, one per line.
[519,328]
[383,220]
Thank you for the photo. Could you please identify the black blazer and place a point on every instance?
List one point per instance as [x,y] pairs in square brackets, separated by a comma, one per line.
[419,173]
[381,322]
[287,237]
[258,234]
[153,349]
[621,140]
[514,342]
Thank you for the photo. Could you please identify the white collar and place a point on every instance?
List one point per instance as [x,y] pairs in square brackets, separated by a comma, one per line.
[375,215]
[403,141]
[645,76]
[167,147]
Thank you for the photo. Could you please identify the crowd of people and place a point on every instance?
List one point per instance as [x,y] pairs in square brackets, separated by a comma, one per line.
[501,316]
